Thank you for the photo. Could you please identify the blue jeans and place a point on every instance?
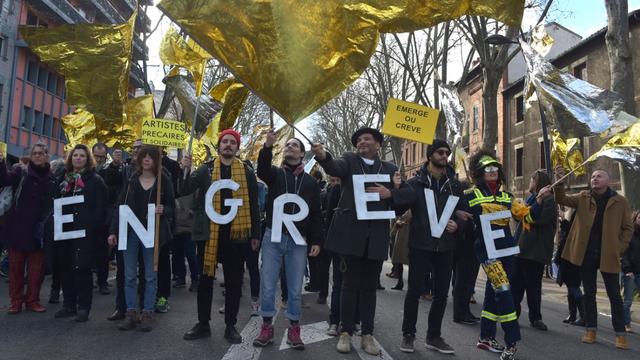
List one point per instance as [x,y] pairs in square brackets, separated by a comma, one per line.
[295,259]
[628,285]
[134,246]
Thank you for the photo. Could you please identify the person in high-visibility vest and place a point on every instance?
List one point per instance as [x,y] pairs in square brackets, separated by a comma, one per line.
[484,198]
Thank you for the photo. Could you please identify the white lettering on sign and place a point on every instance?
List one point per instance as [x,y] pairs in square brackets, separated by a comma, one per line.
[362,197]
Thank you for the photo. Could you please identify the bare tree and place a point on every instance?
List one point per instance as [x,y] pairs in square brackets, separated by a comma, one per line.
[621,69]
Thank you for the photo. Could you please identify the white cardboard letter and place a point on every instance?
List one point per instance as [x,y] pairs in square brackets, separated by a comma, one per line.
[127,217]
[279,218]
[59,219]
[490,235]
[362,197]
[234,204]
[439,225]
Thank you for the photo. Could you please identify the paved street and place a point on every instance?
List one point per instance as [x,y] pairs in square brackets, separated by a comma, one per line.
[40,336]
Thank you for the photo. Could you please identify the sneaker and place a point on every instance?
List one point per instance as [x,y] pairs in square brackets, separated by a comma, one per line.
[465,321]
[490,345]
[221,310]
[255,308]
[407,344]
[438,344]
[509,353]
[179,284]
[266,336]
[333,330]
[344,343]
[293,337]
[162,305]
[369,346]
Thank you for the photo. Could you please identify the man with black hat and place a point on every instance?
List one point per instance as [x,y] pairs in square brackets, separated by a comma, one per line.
[362,245]
[433,196]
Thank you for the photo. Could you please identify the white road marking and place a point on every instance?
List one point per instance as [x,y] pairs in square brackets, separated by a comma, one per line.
[246,350]
[310,333]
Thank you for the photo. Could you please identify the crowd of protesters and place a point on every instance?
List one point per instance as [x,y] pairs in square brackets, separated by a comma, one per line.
[442,228]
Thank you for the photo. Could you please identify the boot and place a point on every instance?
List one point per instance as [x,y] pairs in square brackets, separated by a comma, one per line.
[130,320]
[581,317]
[590,337]
[369,346]
[621,342]
[344,344]
[573,309]
[146,321]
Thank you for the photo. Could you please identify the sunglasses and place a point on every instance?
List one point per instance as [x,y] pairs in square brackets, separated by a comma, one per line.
[490,169]
[443,152]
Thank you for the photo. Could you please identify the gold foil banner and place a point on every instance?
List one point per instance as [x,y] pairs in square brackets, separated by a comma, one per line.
[185,90]
[282,135]
[233,95]
[396,16]
[175,50]
[623,147]
[138,109]
[572,106]
[79,128]
[94,60]
[296,55]
[567,153]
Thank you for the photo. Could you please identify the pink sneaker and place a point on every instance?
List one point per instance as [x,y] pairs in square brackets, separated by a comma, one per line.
[293,337]
[266,336]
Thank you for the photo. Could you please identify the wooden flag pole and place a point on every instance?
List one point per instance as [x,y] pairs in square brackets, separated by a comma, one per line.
[570,172]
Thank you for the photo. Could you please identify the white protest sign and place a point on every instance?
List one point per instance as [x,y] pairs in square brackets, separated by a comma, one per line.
[490,235]
[280,218]
[362,197]
[59,219]
[127,217]
[439,225]
[234,204]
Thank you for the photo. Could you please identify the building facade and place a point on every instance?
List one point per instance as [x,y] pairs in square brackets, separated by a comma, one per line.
[36,96]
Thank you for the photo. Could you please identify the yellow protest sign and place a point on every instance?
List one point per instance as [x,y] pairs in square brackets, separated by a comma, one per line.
[161,132]
[410,121]
[3,150]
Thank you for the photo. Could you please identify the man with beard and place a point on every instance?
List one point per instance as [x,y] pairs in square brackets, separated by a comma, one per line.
[362,245]
[290,178]
[226,242]
[433,194]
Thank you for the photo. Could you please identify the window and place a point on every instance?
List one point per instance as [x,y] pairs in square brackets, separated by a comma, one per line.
[34,20]
[42,77]
[60,87]
[48,126]
[52,82]
[475,117]
[580,71]
[38,125]
[3,47]
[62,136]
[519,160]
[415,153]
[32,72]
[519,109]
[27,117]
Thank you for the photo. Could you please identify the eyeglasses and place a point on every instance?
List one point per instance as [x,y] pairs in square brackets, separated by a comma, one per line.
[490,169]
[443,152]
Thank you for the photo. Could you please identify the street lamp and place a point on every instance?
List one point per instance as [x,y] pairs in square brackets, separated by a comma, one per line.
[499,40]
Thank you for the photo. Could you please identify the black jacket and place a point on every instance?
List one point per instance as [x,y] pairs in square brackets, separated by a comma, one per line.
[89,216]
[167,199]
[537,244]
[281,180]
[413,197]
[347,235]
[631,257]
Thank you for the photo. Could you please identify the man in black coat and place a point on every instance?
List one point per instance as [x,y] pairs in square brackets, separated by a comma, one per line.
[433,197]
[362,244]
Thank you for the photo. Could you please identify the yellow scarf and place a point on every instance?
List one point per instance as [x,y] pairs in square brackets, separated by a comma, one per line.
[240,226]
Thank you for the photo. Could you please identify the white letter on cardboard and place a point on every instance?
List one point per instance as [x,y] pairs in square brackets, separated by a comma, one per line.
[59,219]
[279,218]
[127,217]
[362,197]
[490,235]
[439,225]
[234,204]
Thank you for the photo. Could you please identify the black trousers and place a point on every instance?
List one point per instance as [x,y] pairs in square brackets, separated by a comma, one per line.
[232,258]
[467,267]
[77,288]
[164,271]
[359,282]
[323,264]
[589,274]
[528,277]
[420,262]
[251,260]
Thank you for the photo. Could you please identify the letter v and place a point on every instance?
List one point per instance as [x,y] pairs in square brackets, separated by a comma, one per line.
[439,225]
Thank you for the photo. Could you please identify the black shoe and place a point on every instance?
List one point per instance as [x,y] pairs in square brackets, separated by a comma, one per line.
[54,297]
[321,300]
[232,335]
[438,344]
[104,290]
[179,284]
[117,315]
[82,316]
[199,331]
[579,322]
[407,344]
[64,313]
[538,324]
[465,321]
[194,286]
[310,288]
